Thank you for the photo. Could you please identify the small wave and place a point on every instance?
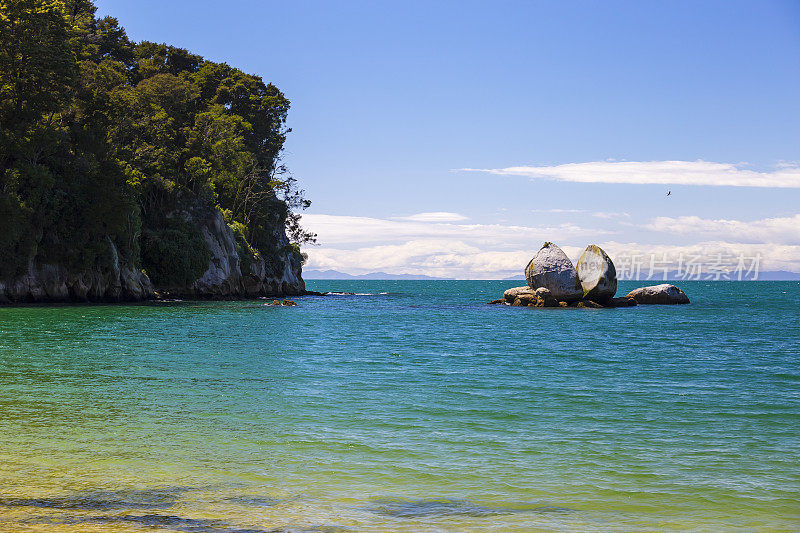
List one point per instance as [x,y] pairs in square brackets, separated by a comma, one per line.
[259,501]
[401,508]
[334,293]
[352,293]
[343,293]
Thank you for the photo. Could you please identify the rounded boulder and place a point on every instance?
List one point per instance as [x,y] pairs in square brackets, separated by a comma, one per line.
[597,274]
[551,268]
[664,294]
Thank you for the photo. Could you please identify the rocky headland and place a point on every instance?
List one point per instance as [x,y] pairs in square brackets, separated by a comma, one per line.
[233,271]
[132,171]
[553,281]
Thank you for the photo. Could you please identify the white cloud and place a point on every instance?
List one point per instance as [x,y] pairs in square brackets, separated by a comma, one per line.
[610,214]
[349,232]
[431,257]
[786,175]
[364,244]
[457,259]
[359,245]
[598,214]
[558,211]
[780,230]
[438,216]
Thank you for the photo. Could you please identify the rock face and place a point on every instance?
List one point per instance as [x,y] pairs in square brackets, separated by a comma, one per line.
[551,268]
[232,275]
[228,275]
[111,281]
[664,294]
[597,274]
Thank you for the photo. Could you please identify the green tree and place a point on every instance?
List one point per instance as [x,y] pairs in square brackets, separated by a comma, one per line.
[107,141]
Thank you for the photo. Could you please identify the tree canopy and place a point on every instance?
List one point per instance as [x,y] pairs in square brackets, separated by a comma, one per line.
[103,138]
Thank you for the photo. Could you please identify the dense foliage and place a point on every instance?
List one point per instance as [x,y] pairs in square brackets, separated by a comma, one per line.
[102,138]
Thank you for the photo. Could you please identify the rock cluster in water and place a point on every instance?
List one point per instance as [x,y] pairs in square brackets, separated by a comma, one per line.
[285,303]
[554,282]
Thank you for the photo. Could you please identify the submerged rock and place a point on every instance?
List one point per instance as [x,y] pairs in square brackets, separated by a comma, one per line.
[551,268]
[597,274]
[664,294]
[622,301]
[587,304]
[285,303]
[494,302]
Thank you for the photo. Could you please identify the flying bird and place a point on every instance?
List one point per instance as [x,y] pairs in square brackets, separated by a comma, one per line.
[669,192]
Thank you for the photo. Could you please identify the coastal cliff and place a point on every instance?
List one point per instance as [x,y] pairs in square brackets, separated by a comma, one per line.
[236,270]
[107,281]
[233,272]
[131,171]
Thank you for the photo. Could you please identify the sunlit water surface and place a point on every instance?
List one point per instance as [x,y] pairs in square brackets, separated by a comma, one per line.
[411,407]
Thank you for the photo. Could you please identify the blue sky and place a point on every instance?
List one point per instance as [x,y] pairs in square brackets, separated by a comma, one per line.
[565,110]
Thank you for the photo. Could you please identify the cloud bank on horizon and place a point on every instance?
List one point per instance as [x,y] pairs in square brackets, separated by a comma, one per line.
[449,244]
[358,245]
[698,173]
[438,216]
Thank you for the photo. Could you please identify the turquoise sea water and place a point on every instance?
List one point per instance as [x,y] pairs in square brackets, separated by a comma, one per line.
[410,407]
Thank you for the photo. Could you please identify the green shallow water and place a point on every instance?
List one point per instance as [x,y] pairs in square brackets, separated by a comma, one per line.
[411,407]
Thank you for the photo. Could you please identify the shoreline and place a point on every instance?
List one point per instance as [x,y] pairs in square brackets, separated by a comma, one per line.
[151,301]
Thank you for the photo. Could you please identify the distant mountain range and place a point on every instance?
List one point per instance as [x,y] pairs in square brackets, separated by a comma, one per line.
[769,275]
[335,274]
